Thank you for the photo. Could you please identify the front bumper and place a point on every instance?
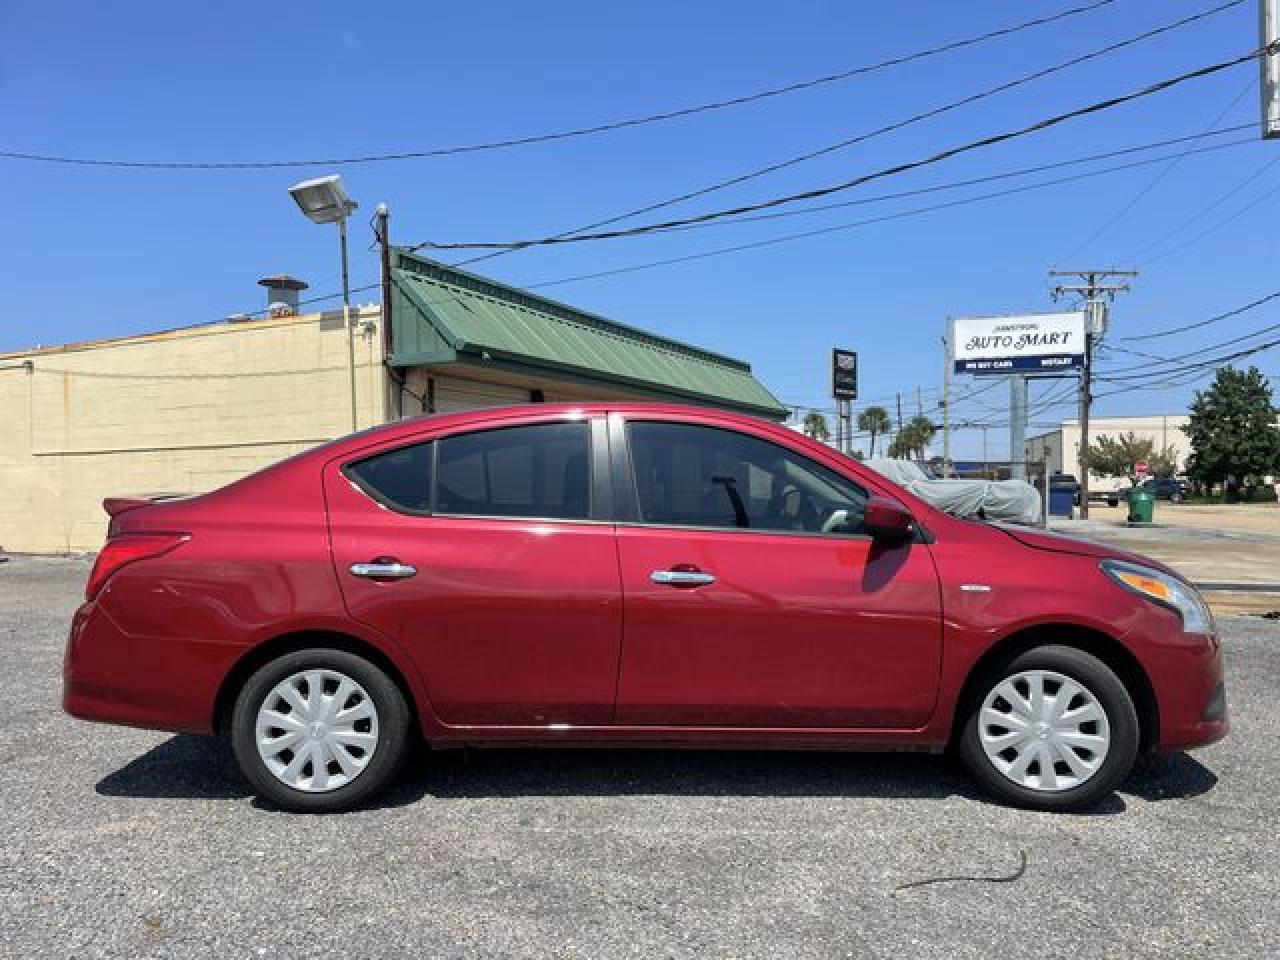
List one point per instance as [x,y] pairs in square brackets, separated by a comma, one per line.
[1191,698]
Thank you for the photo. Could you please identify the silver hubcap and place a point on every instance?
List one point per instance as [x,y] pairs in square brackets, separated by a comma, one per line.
[1044,731]
[317,730]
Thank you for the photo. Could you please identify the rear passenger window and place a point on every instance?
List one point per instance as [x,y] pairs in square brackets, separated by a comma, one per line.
[399,478]
[534,471]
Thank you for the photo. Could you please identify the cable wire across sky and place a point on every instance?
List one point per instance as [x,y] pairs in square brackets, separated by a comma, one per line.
[573,133]
[894,170]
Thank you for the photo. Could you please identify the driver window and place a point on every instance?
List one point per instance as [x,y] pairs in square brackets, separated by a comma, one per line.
[689,475]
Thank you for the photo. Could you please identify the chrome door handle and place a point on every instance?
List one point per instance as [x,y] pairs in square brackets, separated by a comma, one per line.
[383,571]
[682,578]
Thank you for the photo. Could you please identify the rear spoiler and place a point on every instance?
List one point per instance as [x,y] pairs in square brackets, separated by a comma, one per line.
[123,504]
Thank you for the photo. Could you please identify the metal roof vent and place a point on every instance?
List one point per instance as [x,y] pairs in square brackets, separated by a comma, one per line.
[282,294]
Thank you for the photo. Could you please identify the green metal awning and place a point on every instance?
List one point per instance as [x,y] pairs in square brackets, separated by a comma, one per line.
[441,315]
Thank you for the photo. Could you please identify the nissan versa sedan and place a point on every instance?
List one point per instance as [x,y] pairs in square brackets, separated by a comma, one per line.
[636,574]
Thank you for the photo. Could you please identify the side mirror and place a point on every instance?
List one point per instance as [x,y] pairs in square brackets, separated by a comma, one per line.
[887,521]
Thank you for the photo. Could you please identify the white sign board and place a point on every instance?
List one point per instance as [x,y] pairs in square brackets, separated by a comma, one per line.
[1021,343]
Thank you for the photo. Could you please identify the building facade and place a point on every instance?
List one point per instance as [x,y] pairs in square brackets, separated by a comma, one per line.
[189,410]
[1061,447]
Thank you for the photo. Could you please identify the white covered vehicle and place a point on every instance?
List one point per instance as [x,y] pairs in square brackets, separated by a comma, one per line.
[1013,500]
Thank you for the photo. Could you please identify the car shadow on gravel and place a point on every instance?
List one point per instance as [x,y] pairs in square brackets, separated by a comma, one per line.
[196,768]
[204,768]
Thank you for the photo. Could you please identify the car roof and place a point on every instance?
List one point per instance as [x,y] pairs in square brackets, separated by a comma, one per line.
[413,425]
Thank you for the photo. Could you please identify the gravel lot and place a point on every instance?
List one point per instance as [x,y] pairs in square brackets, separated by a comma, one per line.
[124,843]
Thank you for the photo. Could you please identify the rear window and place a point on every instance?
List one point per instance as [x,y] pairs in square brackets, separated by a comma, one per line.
[400,478]
[539,470]
[534,471]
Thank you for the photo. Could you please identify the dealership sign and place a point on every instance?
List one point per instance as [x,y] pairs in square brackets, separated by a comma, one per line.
[844,374]
[1023,343]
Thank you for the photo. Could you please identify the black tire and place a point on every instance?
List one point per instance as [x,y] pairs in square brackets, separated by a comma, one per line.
[1110,693]
[393,731]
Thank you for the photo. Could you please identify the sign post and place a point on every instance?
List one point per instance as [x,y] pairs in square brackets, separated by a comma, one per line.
[844,388]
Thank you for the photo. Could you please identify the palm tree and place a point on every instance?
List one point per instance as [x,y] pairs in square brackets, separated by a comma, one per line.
[815,426]
[922,430]
[903,446]
[875,421]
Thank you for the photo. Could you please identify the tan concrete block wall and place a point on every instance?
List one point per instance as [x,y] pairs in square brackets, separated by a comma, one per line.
[186,411]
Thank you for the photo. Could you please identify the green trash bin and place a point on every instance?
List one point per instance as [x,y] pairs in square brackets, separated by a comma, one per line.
[1142,506]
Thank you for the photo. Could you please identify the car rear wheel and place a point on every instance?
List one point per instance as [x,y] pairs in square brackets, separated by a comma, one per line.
[320,730]
[1052,729]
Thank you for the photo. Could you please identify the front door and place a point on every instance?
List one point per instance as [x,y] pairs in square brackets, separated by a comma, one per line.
[751,597]
[479,552]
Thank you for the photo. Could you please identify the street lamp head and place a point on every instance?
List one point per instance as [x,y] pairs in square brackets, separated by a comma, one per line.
[323,200]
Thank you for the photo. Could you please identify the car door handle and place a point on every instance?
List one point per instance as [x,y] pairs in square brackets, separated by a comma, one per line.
[682,578]
[383,570]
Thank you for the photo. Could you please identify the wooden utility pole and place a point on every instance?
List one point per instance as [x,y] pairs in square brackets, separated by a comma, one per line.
[946,405]
[1095,293]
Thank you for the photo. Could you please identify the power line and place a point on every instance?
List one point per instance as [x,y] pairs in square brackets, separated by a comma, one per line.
[879,131]
[1199,369]
[1151,184]
[1204,211]
[974,181]
[1203,323]
[894,170]
[1230,218]
[1142,370]
[837,228]
[573,133]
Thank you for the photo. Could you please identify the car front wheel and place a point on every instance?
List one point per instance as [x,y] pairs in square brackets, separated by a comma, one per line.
[1052,729]
[320,730]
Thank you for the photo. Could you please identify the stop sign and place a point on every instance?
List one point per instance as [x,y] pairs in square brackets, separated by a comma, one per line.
[1140,468]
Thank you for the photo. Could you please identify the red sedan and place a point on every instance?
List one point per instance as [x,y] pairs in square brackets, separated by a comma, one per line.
[627,574]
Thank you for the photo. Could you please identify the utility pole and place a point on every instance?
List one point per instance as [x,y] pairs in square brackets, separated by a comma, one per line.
[1096,293]
[946,405]
[899,411]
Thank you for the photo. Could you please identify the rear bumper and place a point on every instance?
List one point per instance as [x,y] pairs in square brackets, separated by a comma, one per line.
[109,676]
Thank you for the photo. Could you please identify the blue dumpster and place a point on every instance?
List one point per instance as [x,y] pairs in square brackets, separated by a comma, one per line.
[1062,498]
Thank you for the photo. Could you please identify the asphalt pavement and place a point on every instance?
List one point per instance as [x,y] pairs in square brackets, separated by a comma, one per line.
[128,843]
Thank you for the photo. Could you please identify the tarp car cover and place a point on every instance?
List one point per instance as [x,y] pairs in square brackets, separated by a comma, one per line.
[1013,500]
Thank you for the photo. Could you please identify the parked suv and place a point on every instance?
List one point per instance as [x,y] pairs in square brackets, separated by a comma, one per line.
[1167,488]
[1174,489]
[627,574]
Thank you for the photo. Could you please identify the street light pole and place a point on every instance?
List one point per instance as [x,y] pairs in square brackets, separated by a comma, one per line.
[323,200]
[346,322]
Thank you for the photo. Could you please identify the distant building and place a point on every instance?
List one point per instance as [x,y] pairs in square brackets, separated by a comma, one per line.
[1061,447]
[191,409]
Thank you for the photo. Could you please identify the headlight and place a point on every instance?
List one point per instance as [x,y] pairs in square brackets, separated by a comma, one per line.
[1165,590]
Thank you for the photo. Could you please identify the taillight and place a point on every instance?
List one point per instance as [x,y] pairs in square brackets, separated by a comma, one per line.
[126,548]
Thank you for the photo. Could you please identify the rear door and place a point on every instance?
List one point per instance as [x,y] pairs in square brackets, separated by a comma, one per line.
[488,555]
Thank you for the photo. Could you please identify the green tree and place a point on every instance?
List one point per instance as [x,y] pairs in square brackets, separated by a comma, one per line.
[874,421]
[912,440]
[1233,432]
[1114,456]
[815,426]
[923,430]
[900,445]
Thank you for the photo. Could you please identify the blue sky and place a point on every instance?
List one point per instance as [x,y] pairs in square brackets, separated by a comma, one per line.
[91,252]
